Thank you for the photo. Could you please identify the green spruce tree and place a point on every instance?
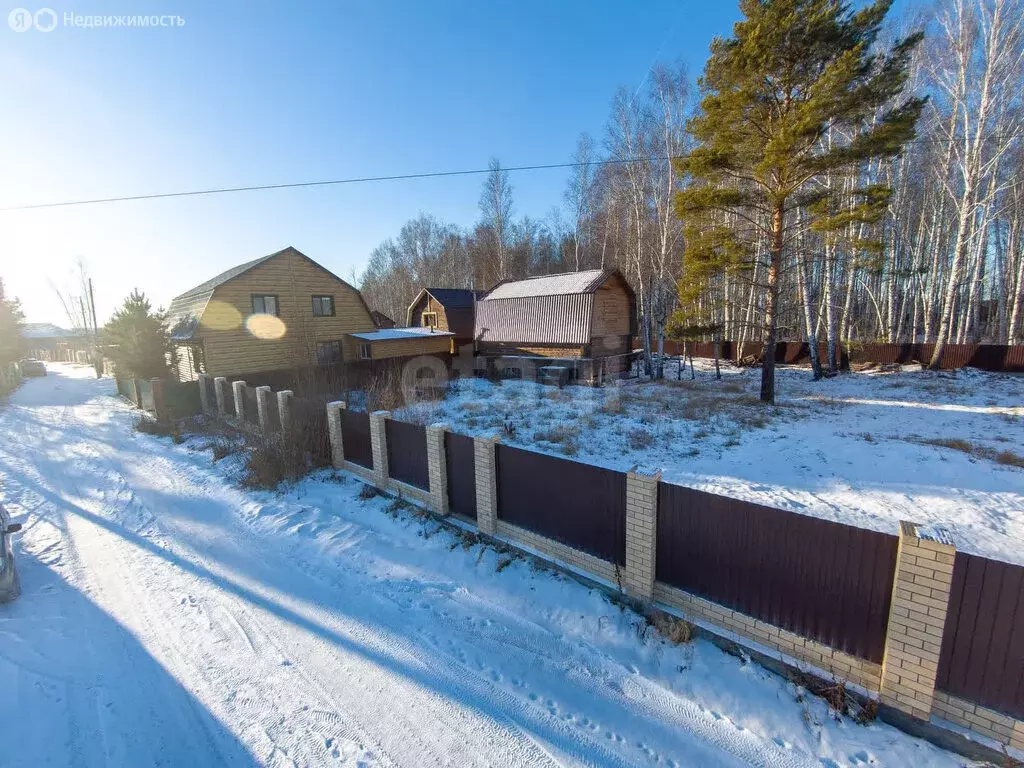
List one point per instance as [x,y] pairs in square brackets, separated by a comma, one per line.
[137,339]
[11,320]
[793,71]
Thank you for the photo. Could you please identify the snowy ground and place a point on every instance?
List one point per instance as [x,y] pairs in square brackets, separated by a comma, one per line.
[170,618]
[852,449]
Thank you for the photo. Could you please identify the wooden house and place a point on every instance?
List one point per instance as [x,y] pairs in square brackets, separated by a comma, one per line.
[445,309]
[277,313]
[380,320]
[576,316]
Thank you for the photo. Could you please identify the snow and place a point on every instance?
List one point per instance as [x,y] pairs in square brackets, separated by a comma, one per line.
[390,334]
[854,449]
[171,618]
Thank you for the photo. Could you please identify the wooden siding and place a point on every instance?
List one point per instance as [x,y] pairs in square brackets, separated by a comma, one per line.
[429,304]
[294,280]
[425,345]
[187,359]
[611,310]
[498,348]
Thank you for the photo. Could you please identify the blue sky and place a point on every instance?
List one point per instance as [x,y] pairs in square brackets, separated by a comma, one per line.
[258,93]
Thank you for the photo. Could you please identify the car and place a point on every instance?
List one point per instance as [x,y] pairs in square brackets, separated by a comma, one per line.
[32,368]
[10,584]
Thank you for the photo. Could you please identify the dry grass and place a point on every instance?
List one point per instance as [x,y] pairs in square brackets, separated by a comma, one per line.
[1006,458]
[638,439]
[562,435]
[271,461]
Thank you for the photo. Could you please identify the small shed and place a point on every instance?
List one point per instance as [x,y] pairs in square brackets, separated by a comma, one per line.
[394,343]
[587,315]
[445,309]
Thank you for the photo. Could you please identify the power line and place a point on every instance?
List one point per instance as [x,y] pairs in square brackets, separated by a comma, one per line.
[327,183]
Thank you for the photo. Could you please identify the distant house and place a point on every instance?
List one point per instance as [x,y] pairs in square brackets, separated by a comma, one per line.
[276,313]
[573,316]
[46,341]
[380,320]
[445,309]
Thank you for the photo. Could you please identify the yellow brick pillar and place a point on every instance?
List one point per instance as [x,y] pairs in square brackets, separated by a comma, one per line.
[641,532]
[485,467]
[379,446]
[334,410]
[917,617]
[437,468]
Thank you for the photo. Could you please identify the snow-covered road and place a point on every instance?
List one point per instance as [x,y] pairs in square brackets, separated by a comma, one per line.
[171,618]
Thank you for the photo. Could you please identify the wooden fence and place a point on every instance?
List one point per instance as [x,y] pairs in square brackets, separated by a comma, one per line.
[407,453]
[577,504]
[982,656]
[819,579]
[987,357]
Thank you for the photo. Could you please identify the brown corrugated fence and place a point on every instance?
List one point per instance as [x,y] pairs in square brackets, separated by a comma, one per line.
[355,437]
[577,504]
[407,453]
[460,466]
[819,579]
[982,655]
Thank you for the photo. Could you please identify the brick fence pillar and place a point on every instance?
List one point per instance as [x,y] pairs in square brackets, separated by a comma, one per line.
[641,532]
[238,389]
[379,445]
[485,466]
[204,393]
[263,394]
[437,468]
[220,386]
[284,410]
[334,410]
[159,399]
[920,597]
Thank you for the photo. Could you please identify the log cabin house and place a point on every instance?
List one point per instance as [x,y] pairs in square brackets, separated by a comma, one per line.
[445,309]
[277,313]
[585,320]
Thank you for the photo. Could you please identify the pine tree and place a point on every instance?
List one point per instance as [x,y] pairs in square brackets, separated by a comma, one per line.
[11,320]
[793,71]
[137,340]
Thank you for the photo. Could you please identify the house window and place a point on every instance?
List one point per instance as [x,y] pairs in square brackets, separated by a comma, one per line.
[323,306]
[364,351]
[328,352]
[429,320]
[265,304]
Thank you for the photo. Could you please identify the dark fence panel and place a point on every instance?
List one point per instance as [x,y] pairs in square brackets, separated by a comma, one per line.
[987,357]
[461,467]
[355,437]
[309,429]
[982,657]
[211,392]
[819,579]
[273,414]
[578,504]
[252,414]
[407,453]
[182,398]
[146,395]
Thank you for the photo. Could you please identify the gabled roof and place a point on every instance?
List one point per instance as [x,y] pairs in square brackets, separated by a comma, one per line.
[564,284]
[186,309]
[454,298]
[458,306]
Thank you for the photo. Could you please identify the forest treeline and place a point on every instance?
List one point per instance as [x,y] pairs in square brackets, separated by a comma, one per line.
[939,259]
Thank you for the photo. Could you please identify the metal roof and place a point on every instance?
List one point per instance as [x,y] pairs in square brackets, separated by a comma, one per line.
[454,298]
[564,284]
[393,334]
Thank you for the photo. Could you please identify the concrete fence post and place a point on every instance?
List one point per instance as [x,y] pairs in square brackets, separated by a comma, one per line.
[160,399]
[917,617]
[641,532]
[437,468]
[284,410]
[485,467]
[379,444]
[220,387]
[238,389]
[204,393]
[137,392]
[263,394]
[334,410]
